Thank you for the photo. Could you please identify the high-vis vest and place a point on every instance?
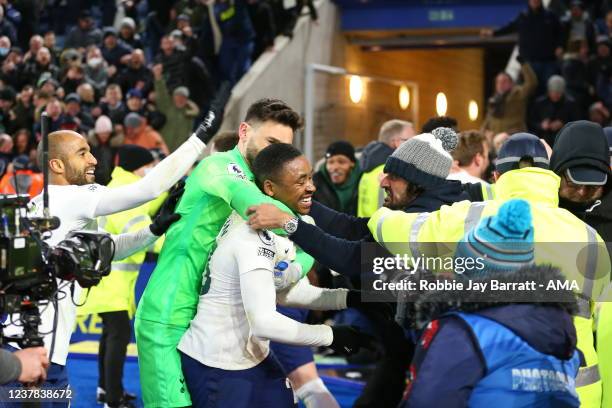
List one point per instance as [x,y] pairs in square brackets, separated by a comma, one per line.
[370,196]
[115,292]
[488,191]
[518,375]
[589,265]
[604,350]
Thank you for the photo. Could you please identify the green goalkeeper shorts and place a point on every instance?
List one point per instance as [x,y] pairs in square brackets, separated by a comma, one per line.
[159,362]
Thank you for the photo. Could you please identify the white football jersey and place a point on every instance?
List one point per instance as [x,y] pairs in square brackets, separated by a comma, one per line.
[219,335]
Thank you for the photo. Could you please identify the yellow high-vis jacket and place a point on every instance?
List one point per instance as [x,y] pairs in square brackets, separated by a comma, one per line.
[578,251]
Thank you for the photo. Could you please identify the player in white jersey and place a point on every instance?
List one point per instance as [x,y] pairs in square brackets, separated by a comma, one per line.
[77,202]
[226,350]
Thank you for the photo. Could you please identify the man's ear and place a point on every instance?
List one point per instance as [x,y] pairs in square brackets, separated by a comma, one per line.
[268,188]
[242,131]
[57,166]
[496,175]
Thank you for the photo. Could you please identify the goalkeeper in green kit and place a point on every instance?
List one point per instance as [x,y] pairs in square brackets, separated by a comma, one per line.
[219,184]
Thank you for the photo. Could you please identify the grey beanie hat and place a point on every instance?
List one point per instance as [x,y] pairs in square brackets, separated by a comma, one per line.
[424,159]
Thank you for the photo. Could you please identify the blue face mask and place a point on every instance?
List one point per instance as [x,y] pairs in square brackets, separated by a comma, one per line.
[4,51]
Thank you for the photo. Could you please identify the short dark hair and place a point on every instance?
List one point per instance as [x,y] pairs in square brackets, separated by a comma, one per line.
[270,161]
[440,121]
[274,110]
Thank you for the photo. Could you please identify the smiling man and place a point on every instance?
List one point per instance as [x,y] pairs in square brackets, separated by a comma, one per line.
[338,180]
[77,201]
[227,344]
[220,184]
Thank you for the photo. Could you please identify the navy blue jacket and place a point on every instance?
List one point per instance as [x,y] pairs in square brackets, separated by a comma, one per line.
[539,33]
[448,362]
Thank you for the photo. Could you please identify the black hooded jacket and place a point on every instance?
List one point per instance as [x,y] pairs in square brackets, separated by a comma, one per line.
[583,143]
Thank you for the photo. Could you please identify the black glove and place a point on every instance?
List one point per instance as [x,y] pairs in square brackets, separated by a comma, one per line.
[165,216]
[349,339]
[374,310]
[212,121]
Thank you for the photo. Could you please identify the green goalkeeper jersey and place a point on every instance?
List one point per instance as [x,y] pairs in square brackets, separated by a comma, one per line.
[220,183]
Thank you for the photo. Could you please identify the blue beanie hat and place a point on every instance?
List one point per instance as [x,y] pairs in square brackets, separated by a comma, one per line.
[503,242]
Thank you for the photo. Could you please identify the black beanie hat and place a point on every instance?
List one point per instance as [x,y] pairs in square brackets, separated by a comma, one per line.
[341,147]
[581,144]
[132,157]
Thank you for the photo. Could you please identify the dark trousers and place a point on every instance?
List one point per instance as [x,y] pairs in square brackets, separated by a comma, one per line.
[263,386]
[116,332]
[234,59]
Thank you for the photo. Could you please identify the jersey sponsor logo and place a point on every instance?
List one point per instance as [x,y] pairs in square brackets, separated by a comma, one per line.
[235,169]
[265,252]
[265,237]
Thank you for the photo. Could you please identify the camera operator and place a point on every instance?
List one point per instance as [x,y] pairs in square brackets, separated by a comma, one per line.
[77,201]
[26,366]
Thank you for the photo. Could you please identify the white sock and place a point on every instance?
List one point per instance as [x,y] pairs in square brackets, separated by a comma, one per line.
[314,394]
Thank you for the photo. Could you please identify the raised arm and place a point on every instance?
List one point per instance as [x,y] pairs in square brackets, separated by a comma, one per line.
[161,178]
[171,169]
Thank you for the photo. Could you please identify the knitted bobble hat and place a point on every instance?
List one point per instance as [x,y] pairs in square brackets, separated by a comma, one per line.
[503,242]
[424,160]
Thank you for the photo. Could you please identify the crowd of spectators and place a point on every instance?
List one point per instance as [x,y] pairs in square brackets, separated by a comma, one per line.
[566,69]
[142,72]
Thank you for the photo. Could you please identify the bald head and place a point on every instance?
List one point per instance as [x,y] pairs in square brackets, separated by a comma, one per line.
[58,145]
[6,143]
[70,160]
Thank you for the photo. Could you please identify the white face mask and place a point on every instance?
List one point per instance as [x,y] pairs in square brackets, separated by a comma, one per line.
[94,62]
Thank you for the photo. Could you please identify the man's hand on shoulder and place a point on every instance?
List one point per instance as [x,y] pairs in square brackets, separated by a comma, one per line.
[267,216]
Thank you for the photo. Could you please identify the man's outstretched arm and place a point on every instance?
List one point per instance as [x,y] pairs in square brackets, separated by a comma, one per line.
[171,169]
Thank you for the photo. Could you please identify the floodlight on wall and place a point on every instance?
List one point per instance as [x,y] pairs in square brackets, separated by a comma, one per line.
[404,97]
[355,89]
[441,104]
[473,110]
